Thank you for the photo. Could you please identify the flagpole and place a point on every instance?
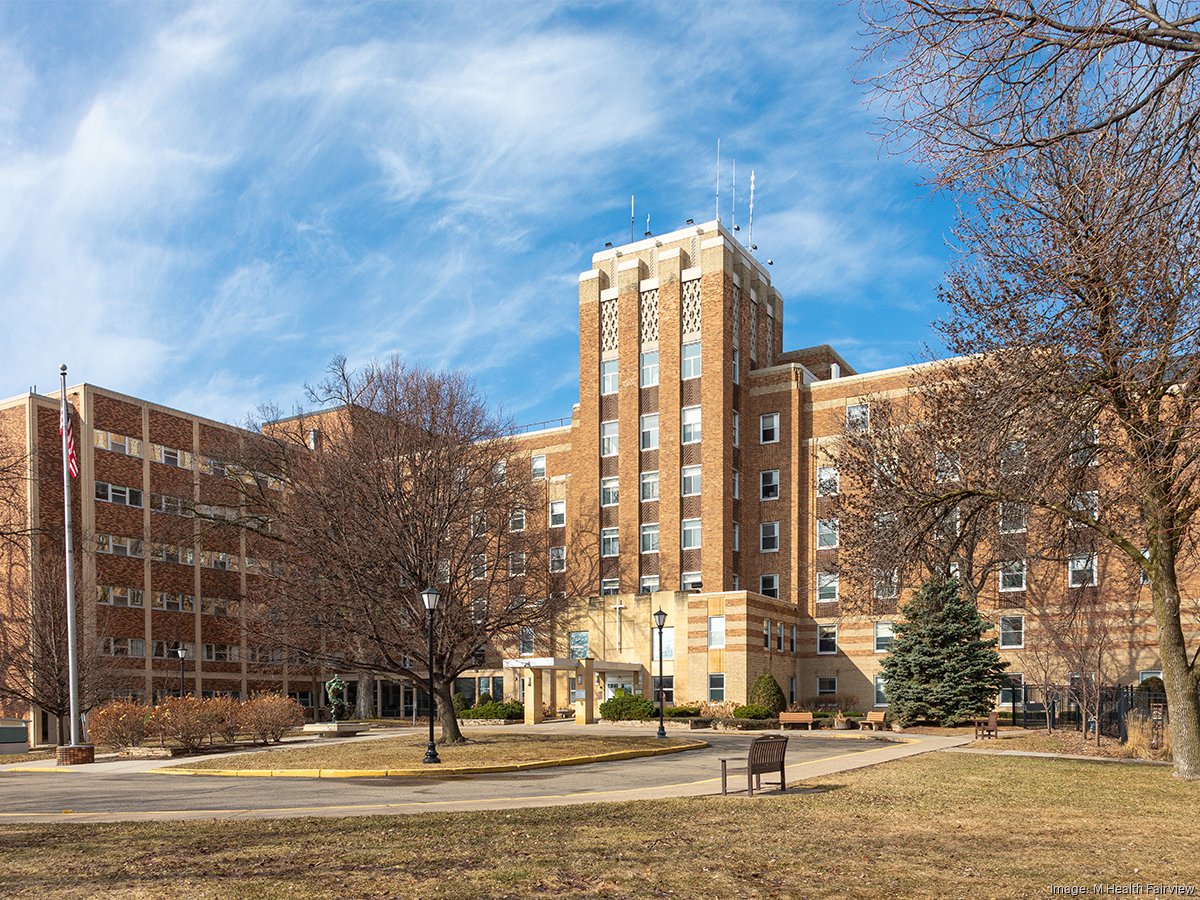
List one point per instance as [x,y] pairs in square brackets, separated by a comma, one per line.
[72,661]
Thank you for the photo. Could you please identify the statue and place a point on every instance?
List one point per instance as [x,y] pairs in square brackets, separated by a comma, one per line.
[335,690]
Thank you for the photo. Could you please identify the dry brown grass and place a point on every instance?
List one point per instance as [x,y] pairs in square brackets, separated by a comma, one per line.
[1068,741]
[32,756]
[1139,744]
[484,748]
[939,825]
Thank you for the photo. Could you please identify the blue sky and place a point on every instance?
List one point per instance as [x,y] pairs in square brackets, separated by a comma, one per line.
[204,204]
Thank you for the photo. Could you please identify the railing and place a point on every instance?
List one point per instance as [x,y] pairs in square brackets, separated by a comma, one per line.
[545,423]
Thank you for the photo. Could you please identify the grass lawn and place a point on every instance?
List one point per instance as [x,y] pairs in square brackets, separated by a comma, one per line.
[405,752]
[31,756]
[1065,741]
[938,825]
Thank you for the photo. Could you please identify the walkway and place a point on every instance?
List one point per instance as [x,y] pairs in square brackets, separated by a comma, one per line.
[130,790]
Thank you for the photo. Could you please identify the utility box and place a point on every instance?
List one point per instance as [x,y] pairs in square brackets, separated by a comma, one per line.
[14,736]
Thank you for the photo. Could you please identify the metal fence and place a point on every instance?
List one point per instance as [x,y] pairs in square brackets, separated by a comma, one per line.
[1075,707]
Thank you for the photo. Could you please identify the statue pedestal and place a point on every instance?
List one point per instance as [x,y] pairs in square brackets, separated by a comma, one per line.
[336,729]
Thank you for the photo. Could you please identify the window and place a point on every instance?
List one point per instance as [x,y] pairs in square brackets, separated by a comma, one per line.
[500,471]
[768,585]
[526,641]
[516,564]
[791,689]
[1146,674]
[220,653]
[885,633]
[1012,691]
[118,646]
[649,431]
[668,643]
[478,523]
[663,690]
[120,596]
[715,633]
[648,488]
[516,520]
[689,418]
[880,693]
[115,493]
[858,418]
[737,537]
[218,606]
[827,481]
[558,559]
[1143,576]
[609,492]
[608,376]
[119,546]
[264,655]
[649,373]
[886,585]
[1085,504]
[690,581]
[737,429]
[691,534]
[558,513]
[609,542]
[945,466]
[792,642]
[779,636]
[1012,631]
[1082,570]
[689,361]
[827,587]
[649,540]
[169,456]
[1012,575]
[608,438]
[648,584]
[479,566]
[170,649]
[690,481]
[171,505]
[479,610]
[736,366]
[768,537]
[117,443]
[768,428]
[578,644]
[172,602]
[737,485]
[826,685]
[716,687]
[1013,518]
[537,467]
[768,484]
[1012,458]
[1083,448]
[737,582]
[826,639]
[766,634]
[827,534]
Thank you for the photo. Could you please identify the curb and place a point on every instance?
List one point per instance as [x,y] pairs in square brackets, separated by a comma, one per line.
[425,773]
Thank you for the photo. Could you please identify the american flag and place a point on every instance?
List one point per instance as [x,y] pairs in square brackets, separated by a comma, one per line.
[64,420]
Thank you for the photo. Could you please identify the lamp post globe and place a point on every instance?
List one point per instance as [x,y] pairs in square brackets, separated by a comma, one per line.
[660,619]
[182,651]
[430,597]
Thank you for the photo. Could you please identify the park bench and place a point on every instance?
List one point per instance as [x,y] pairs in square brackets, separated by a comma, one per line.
[765,758]
[796,718]
[988,727]
[875,720]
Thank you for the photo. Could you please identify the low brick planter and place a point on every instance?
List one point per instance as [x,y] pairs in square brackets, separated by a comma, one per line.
[79,755]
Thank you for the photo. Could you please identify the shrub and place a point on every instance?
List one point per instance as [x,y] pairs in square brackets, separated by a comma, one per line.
[681,712]
[625,707]
[1138,744]
[460,702]
[767,693]
[484,699]
[186,720]
[1154,687]
[224,713]
[119,724]
[753,711]
[717,709]
[513,709]
[267,717]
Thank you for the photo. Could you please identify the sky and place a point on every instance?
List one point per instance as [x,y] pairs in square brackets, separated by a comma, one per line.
[204,204]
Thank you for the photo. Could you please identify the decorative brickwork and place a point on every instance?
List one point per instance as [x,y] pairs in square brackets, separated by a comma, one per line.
[81,755]
[608,326]
[649,316]
[690,313]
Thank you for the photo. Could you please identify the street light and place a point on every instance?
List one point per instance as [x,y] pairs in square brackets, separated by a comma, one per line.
[430,596]
[660,619]
[182,651]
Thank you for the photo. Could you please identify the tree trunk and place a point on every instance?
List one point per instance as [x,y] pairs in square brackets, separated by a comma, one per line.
[1183,704]
[61,738]
[364,707]
[447,715]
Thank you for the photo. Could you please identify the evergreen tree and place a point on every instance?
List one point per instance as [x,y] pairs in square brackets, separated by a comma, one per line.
[767,693]
[940,669]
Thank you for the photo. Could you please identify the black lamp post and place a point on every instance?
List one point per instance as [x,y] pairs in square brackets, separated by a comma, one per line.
[430,596]
[182,651]
[660,619]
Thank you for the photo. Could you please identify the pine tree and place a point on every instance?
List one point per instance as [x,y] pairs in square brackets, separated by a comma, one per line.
[940,669]
[767,693]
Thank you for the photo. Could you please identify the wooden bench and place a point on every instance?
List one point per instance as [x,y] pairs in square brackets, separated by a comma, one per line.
[985,728]
[765,758]
[875,720]
[795,718]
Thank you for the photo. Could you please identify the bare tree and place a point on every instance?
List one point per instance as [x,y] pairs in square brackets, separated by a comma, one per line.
[970,84]
[402,483]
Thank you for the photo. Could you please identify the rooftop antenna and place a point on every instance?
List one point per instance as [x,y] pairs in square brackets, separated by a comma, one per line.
[631,218]
[718,179]
[752,208]
[734,201]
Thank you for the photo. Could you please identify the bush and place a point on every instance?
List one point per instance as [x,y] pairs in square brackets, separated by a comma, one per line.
[717,709]
[224,713]
[460,702]
[120,724]
[681,712]
[753,711]
[1154,687]
[267,717]
[625,707]
[1138,744]
[513,709]
[185,720]
[766,693]
[484,699]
